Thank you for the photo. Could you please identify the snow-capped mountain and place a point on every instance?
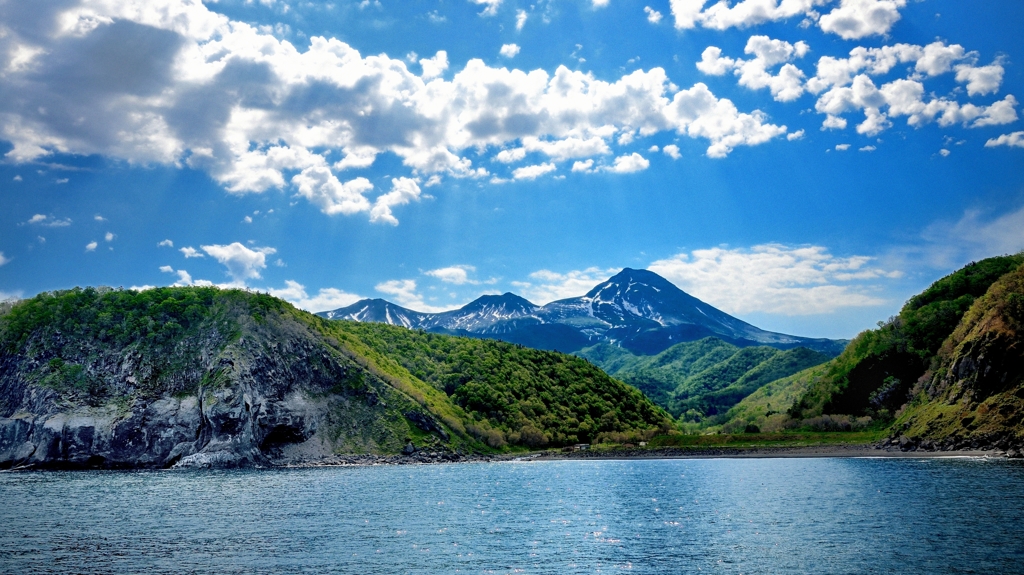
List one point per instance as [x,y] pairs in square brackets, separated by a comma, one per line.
[636,309]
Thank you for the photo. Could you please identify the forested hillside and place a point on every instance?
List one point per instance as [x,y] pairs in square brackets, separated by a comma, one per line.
[205,376]
[699,381]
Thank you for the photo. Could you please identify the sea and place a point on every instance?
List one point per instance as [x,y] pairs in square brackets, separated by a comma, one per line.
[821,515]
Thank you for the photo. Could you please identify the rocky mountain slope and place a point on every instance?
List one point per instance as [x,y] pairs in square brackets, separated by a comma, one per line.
[699,381]
[944,371]
[635,309]
[208,377]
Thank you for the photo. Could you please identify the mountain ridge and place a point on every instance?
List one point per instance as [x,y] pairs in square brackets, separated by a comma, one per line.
[635,309]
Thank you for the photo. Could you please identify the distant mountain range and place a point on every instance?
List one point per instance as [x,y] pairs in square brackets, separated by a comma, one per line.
[635,309]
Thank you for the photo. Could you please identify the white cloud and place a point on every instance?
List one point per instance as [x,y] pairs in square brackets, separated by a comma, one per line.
[976,235]
[521,17]
[867,149]
[797,135]
[242,263]
[434,67]
[672,151]
[49,221]
[166,244]
[403,292]
[491,6]
[4,260]
[855,19]
[653,16]
[532,172]
[403,191]
[629,164]
[599,3]
[322,188]
[99,218]
[944,152]
[1013,140]
[774,278]
[842,147]
[582,165]
[184,278]
[190,252]
[686,12]
[785,86]
[547,286]
[109,237]
[845,85]
[457,275]
[325,300]
[91,246]
[980,80]
[17,178]
[260,113]
[509,50]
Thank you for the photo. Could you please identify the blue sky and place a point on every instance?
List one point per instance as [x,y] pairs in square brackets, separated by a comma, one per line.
[805,165]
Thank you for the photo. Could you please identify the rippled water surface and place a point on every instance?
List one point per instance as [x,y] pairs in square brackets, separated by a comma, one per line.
[652,516]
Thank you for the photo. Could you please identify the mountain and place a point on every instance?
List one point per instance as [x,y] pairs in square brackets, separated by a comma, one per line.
[636,309]
[199,376]
[948,371]
[699,381]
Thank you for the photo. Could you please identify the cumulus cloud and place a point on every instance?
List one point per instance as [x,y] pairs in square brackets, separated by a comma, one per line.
[774,278]
[48,221]
[582,165]
[854,19]
[546,286]
[434,67]
[258,113]
[628,164]
[795,135]
[403,292]
[509,50]
[109,237]
[490,6]
[457,275]
[190,252]
[532,172]
[842,147]
[91,246]
[1013,140]
[165,244]
[653,16]
[672,151]
[785,85]
[4,260]
[184,278]
[850,20]
[846,85]
[241,262]
[326,299]
[403,191]
[322,188]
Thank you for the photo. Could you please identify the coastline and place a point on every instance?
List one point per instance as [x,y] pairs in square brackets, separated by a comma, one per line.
[801,452]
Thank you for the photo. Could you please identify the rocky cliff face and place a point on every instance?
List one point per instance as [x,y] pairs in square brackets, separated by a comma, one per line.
[235,388]
[974,396]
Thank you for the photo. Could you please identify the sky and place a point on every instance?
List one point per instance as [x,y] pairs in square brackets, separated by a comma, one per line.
[805,165]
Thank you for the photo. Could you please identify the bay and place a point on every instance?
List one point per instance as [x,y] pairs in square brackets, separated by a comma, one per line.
[828,515]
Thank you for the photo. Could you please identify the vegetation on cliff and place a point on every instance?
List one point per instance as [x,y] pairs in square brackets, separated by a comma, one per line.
[908,358]
[98,346]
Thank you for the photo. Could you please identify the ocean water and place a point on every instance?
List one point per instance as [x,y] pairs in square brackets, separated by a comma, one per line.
[649,516]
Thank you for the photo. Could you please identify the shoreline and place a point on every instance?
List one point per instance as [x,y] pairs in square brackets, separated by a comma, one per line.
[801,452]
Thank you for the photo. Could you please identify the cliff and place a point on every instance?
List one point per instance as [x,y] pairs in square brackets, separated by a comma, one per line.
[207,377]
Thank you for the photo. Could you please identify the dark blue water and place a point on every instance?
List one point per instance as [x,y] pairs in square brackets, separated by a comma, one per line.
[670,516]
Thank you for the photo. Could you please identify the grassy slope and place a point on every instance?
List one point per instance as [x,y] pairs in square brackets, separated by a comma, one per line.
[977,391]
[82,342]
[901,348]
